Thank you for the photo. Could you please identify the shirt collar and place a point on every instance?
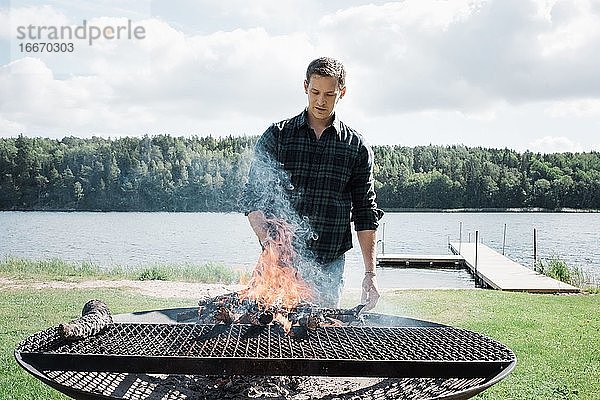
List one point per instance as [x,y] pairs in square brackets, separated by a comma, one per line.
[303,120]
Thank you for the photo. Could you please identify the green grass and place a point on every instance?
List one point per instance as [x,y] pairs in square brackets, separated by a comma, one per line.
[556,338]
[558,269]
[56,269]
[25,311]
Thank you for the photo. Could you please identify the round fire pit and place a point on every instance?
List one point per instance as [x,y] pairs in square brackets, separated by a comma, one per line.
[164,354]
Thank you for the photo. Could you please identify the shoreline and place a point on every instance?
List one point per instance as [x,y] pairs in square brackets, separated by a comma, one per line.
[155,288]
[563,210]
[493,210]
[167,289]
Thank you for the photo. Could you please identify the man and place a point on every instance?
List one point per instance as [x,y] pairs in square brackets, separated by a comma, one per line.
[330,171]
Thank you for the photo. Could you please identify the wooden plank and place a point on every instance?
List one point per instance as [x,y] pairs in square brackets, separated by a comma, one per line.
[500,272]
[419,259]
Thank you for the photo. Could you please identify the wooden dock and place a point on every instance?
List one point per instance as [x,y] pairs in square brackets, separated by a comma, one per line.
[500,272]
[419,260]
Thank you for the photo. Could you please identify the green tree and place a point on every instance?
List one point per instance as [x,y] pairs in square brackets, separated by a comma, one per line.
[208,174]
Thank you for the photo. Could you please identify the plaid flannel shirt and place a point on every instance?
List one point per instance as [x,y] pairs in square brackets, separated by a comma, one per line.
[331,181]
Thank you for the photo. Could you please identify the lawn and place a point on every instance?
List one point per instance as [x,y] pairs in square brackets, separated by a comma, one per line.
[556,338]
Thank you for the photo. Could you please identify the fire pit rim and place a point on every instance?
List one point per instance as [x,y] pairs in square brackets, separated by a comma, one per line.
[170,316]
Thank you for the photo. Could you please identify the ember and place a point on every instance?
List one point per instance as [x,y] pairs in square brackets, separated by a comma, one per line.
[234,308]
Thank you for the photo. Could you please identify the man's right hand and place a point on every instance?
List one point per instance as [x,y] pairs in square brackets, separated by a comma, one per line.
[258,223]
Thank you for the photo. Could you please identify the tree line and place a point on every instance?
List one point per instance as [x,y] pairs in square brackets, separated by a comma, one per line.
[165,173]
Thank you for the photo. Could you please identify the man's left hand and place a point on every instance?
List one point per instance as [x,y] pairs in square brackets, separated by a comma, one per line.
[370,292]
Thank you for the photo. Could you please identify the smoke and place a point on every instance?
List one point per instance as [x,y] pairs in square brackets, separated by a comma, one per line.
[270,190]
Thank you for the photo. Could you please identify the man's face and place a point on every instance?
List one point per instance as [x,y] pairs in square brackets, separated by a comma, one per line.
[323,94]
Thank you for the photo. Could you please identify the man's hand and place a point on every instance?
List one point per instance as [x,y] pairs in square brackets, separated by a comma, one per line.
[259,225]
[370,292]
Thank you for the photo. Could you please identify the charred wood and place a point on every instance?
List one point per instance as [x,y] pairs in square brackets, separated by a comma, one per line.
[235,308]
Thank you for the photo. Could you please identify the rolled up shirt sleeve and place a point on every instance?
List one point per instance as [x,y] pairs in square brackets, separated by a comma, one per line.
[365,213]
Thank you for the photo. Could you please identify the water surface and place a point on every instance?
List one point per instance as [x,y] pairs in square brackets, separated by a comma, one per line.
[134,239]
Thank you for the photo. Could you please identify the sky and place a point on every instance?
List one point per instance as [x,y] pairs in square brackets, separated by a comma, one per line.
[519,74]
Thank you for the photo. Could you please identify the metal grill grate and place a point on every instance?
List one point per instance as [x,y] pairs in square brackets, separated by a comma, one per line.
[243,349]
[145,387]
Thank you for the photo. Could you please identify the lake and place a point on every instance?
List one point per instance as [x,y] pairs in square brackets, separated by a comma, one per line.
[133,239]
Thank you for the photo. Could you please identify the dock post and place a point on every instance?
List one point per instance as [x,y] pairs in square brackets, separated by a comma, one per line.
[476,246]
[534,249]
[383,240]
[469,237]
[504,239]
[459,236]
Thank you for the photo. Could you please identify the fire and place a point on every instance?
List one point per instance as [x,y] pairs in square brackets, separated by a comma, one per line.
[276,294]
[275,281]
[283,321]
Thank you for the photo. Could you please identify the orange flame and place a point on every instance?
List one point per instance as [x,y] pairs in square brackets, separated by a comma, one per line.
[275,281]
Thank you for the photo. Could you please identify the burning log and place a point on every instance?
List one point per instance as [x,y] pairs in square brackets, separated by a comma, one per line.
[235,308]
[344,315]
[224,315]
[260,318]
[311,322]
[95,316]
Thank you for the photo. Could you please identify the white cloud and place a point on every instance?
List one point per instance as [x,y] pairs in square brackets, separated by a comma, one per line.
[423,15]
[575,108]
[465,56]
[37,99]
[166,82]
[44,15]
[11,126]
[243,72]
[259,12]
[575,25]
[553,144]
[468,61]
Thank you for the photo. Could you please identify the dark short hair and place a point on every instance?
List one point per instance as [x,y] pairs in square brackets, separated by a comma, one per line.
[326,66]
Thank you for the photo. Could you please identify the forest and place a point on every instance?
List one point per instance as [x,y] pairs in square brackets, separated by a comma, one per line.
[166,173]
